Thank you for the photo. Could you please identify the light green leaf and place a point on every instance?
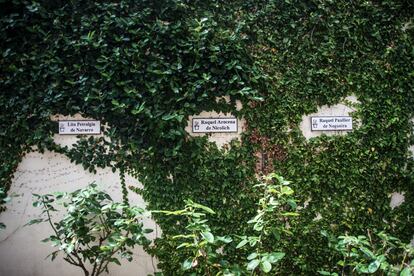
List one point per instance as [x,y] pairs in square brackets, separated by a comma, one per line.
[184,236]
[253,264]
[290,214]
[406,272]
[70,248]
[205,208]
[265,266]
[188,264]
[208,236]
[185,244]
[287,190]
[138,109]
[169,117]
[252,256]
[225,239]
[275,257]
[242,243]
[373,267]
[174,213]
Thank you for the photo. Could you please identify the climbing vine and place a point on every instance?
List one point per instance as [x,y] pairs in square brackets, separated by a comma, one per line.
[142,67]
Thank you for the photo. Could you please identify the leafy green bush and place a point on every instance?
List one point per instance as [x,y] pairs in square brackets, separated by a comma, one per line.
[95,231]
[207,251]
[207,254]
[381,254]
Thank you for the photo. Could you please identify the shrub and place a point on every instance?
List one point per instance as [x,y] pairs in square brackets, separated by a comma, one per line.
[94,231]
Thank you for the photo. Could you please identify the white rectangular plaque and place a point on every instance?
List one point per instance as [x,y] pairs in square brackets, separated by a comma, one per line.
[79,127]
[331,123]
[209,125]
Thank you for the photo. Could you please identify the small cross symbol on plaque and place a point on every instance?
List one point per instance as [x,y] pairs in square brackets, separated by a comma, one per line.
[315,123]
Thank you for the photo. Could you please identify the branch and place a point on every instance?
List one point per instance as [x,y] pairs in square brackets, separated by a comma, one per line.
[49,218]
[80,263]
[70,260]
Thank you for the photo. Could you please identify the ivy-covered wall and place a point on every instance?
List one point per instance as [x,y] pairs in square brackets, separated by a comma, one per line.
[143,67]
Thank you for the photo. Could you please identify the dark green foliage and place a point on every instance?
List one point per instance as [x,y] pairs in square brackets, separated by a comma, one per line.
[142,67]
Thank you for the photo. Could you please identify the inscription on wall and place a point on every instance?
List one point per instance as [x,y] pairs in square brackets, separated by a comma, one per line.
[79,127]
[331,123]
[210,125]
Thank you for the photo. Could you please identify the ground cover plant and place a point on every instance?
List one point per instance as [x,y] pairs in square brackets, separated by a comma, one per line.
[142,67]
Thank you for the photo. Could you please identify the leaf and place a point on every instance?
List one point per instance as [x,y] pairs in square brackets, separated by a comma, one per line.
[185,244]
[174,213]
[253,264]
[406,272]
[115,260]
[275,257]
[225,239]
[321,272]
[70,248]
[46,240]
[292,204]
[189,236]
[6,199]
[53,255]
[208,236]
[252,256]
[367,252]
[241,244]
[187,264]
[169,117]
[290,214]
[276,233]
[205,208]
[138,109]
[265,266]
[287,190]
[34,221]
[374,266]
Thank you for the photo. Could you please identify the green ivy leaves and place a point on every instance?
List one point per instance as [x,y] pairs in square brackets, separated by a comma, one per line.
[143,67]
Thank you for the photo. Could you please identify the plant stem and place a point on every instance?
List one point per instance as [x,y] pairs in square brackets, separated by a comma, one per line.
[49,219]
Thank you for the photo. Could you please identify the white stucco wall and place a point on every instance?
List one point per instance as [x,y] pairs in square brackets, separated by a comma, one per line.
[21,251]
[345,108]
[220,139]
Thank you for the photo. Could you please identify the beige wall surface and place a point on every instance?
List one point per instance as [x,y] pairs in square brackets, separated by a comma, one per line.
[21,250]
[344,108]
